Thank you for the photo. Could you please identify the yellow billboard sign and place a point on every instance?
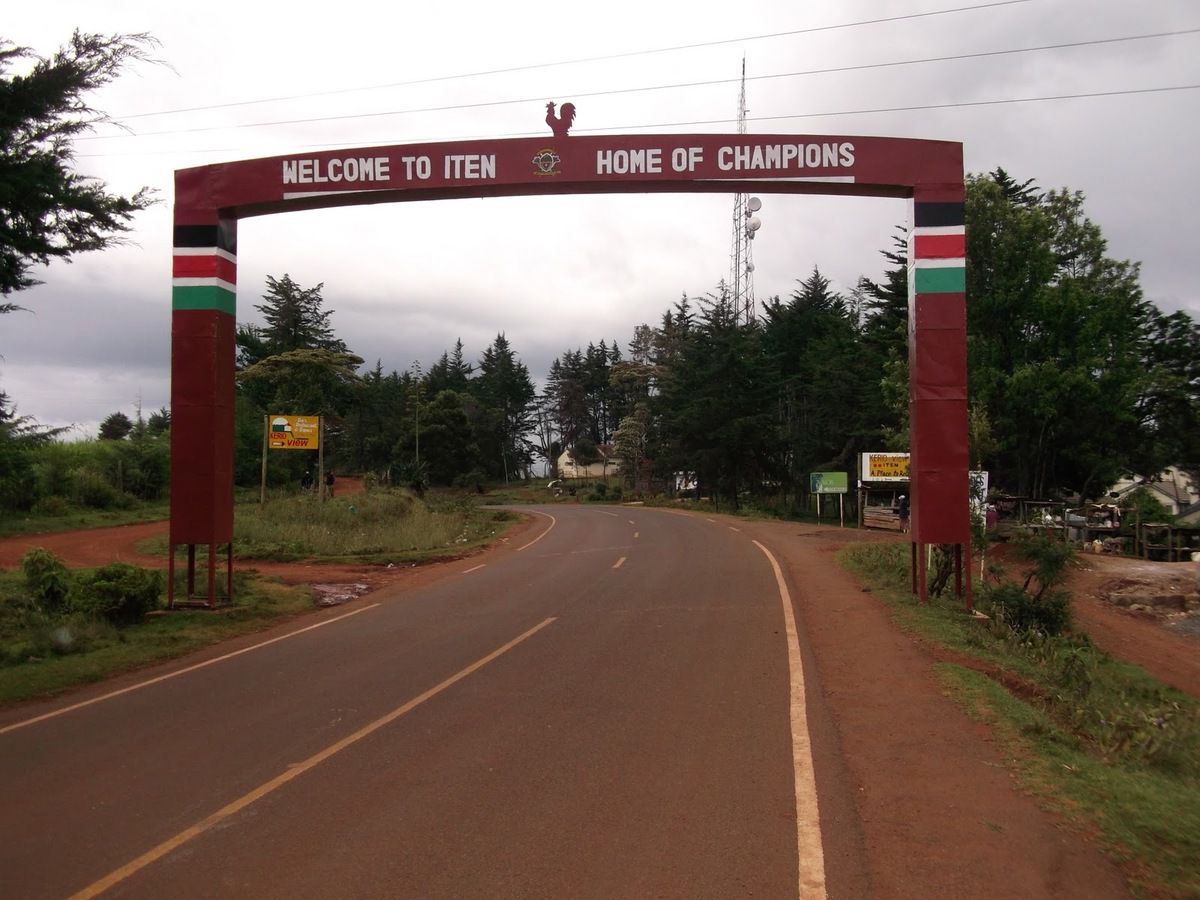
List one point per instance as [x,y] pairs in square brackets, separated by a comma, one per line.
[294,432]
[885,467]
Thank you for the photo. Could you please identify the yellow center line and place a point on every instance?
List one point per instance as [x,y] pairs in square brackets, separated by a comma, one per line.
[619,563]
[118,875]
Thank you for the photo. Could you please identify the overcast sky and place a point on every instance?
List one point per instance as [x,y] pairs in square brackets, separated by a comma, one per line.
[407,279]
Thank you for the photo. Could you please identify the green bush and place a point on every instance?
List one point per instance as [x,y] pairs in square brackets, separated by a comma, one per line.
[47,579]
[119,593]
[616,494]
[473,480]
[52,506]
[1048,614]
[90,488]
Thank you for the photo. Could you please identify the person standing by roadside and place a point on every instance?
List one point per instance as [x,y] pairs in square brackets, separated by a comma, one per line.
[329,480]
[902,512]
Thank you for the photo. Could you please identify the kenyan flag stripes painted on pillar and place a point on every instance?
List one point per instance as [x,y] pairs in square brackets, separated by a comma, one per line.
[204,273]
[937,249]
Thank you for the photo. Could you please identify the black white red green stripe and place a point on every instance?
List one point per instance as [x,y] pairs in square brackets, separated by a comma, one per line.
[204,269]
[937,249]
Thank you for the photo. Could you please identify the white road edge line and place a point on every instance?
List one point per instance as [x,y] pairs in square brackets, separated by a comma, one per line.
[294,771]
[731,528]
[553,522]
[474,569]
[808,820]
[607,513]
[193,668]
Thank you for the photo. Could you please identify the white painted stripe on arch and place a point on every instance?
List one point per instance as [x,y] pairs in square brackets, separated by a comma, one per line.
[204,282]
[937,230]
[816,179]
[928,263]
[297,195]
[205,251]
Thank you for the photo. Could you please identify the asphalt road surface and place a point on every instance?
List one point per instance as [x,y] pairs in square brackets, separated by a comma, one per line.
[614,709]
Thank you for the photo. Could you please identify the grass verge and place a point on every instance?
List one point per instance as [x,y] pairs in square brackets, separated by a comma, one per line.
[34,663]
[81,517]
[377,527]
[1097,740]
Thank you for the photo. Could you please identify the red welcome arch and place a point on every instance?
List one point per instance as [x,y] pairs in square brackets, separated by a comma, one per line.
[210,200]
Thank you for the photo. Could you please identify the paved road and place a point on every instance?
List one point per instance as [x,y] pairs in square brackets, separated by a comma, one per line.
[607,713]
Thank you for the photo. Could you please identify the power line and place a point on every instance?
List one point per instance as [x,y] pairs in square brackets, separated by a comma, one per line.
[622,128]
[575,61]
[860,112]
[660,87]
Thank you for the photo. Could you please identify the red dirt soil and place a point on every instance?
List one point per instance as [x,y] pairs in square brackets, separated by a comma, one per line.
[98,546]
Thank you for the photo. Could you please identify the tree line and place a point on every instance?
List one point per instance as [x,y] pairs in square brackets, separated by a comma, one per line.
[1074,377]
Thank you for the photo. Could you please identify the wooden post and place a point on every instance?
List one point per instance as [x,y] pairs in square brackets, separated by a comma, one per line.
[913,547]
[191,575]
[212,575]
[321,457]
[262,487]
[958,570]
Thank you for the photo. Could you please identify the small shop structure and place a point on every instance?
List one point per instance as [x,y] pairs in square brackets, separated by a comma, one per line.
[882,479]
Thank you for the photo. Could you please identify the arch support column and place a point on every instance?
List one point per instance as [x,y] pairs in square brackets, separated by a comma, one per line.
[203,326]
[937,377]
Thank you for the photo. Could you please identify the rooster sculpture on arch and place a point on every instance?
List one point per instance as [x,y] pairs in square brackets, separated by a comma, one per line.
[560,124]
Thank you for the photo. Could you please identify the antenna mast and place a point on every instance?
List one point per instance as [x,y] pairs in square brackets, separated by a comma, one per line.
[745,224]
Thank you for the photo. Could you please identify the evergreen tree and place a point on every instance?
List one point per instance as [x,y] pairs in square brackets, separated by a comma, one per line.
[48,211]
[714,402]
[295,320]
[115,427]
[450,373]
[506,392]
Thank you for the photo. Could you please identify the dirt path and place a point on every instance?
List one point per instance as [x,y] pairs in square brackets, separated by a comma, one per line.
[1149,635]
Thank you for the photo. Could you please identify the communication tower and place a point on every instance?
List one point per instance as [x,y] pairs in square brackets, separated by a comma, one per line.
[745,224]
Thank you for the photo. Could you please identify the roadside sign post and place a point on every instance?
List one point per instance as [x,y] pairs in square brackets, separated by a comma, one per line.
[293,433]
[830,483]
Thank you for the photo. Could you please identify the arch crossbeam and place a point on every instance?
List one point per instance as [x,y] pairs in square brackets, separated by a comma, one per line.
[209,201]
